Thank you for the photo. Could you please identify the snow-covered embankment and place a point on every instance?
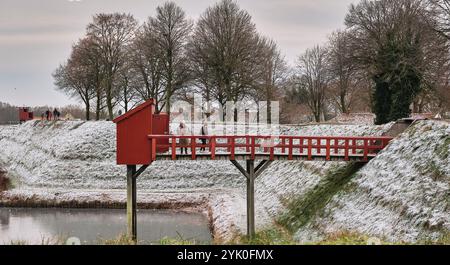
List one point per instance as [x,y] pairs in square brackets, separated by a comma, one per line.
[75,162]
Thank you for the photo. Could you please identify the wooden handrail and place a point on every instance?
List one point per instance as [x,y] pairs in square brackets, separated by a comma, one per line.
[327,146]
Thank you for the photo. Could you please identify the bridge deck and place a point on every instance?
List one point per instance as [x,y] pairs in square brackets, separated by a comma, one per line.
[278,156]
[322,148]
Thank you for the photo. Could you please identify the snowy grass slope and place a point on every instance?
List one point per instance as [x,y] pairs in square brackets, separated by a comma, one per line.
[401,195]
[72,160]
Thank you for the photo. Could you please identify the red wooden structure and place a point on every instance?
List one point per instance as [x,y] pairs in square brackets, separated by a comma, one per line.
[328,148]
[133,147]
[25,114]
[142,138]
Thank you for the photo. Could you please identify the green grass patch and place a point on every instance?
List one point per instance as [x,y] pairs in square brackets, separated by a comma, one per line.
[351,238]
[272,236]
[123,239]
[435,171]
[302,209]
[443,150]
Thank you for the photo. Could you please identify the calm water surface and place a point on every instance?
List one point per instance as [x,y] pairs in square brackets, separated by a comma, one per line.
[91,225]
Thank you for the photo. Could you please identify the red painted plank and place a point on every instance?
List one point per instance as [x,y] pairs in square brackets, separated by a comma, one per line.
[193,147]
[174,149]
[213,148]
[328,149]
[232,148]
[253,147]
[366,150]
[309,149]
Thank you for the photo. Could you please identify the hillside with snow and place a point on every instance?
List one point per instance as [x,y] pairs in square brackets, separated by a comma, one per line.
[75,161]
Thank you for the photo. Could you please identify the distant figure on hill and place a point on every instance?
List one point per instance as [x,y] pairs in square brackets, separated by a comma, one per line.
[183,131]
[43,116]
[47,115]
[56,114]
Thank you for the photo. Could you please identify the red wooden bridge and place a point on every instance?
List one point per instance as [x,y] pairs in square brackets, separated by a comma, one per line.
[142,139]
[245,147]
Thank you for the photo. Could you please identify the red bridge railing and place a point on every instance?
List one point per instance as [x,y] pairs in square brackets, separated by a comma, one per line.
[274,146]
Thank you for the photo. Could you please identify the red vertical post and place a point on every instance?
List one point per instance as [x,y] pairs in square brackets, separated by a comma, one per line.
[253,140]
[310,149]
[336,145]
[247,144]
[174,148]
[366,149]
[153,149]
[193,147]
[301,140]
[283,142]
[213,147]
[328,149]
[232,148]
[354,142]
[272,148]
[291,141]
[318,141]
[265,145]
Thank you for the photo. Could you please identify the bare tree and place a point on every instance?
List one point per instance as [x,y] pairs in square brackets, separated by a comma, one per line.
[344,71]
[79,77]
[112,33]
[172,29]
[313,78]
[147,61]
[440,16]
[273,71]
[127,82]
[224,51]
[92,57]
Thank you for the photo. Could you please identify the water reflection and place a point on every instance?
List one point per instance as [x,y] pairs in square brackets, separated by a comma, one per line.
[90,225]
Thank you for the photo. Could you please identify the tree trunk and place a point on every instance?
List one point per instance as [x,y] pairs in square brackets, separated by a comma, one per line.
[88,113]
[109,102]
[168,96]
[125,99]
[343,103]
[269,112]
[317,117]
[317,113]
[98,107]
[169,88]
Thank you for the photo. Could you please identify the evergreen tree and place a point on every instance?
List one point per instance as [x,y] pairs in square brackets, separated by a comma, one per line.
[398,81]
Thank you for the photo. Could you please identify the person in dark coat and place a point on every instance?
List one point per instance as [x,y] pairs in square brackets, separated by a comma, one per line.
[47,115]
[56,114]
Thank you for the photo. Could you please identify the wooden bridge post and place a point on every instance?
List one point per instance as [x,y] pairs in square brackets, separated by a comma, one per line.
[251,173]
[131,202]
[251,231]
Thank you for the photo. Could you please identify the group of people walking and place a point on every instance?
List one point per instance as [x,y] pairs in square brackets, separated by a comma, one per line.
[49,115]
[183,130]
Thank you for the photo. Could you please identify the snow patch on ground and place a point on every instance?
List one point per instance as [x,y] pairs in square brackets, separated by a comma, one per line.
[73,160]
[402,194]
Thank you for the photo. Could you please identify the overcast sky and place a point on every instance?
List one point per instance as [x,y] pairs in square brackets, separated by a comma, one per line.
[37,35]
